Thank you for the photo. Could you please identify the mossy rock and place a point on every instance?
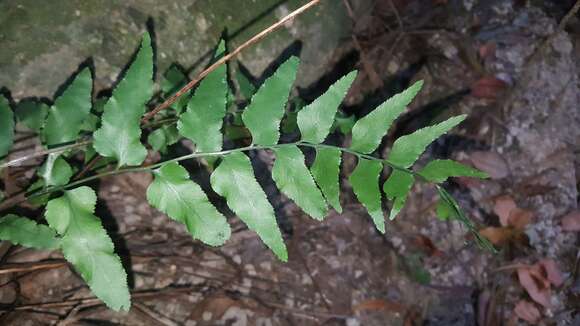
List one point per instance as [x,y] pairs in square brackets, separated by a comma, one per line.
[43,42]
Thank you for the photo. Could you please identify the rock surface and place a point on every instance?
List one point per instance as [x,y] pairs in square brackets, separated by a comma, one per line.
[43,43]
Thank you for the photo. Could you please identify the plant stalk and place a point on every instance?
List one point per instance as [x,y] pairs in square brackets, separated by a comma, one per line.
[151,167]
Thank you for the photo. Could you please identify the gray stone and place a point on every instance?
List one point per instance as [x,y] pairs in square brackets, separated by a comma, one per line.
[44,42]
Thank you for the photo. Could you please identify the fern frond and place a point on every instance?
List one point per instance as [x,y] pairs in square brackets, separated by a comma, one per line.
[86,245]
[397,188]
[234,179]
[69,111]
[295,181]
[203,119]
[55,171]
[31,113]
[326,170]
[440,170]
[81,235]
[316,119]
[173,193]
[407,149]
[26,232]
[365,184]
[119,134]
[264,114]
[368,132]
[6,126]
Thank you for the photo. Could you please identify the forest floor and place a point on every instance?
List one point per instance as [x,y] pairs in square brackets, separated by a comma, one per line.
[513,67]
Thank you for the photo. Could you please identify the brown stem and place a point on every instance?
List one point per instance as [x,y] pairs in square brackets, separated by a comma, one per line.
[569,15]
[61,149]
[368,67]
[145,294]
[27,267]
[226,58]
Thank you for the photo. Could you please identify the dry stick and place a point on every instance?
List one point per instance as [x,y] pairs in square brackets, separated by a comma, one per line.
[44,152]
[396,12]
[368,67]
[154,315]
[569,15]
[228,57]
[27,267]
[94,301]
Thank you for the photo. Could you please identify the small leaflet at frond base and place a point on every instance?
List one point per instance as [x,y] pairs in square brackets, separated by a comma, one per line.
[295,181]
[407,149]
[365,184]
[26,232]
[86,245]
[6,126]
[397,188]
[175,78]
[69,111]
[91,123]
[120,132]
[458,213]
[444,211]
[325,170]
[163,137]
[245,86]
[173,193]
[316,119]
[234,179]
[440,170]
[31,113]
[368,132]
[55,171]
[202,121]
[264,113]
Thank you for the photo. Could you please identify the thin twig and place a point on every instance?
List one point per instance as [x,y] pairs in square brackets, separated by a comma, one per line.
[44,152]
[396,12]
[27,267]
[93,301]
[91,164]
[367,66]
[157,317]
[228,57]
[569,15]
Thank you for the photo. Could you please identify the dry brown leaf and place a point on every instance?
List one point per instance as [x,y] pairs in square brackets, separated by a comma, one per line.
[487,50]
[528,311]
[488,87]
[380,304]
[483,301]
[511,215]
[537,286]
[491,163]
[412,318]
[425,244]
[552,271]
[503,207]
[571,222]
[519,218]
[216,306]
[487,308]
[497,235]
